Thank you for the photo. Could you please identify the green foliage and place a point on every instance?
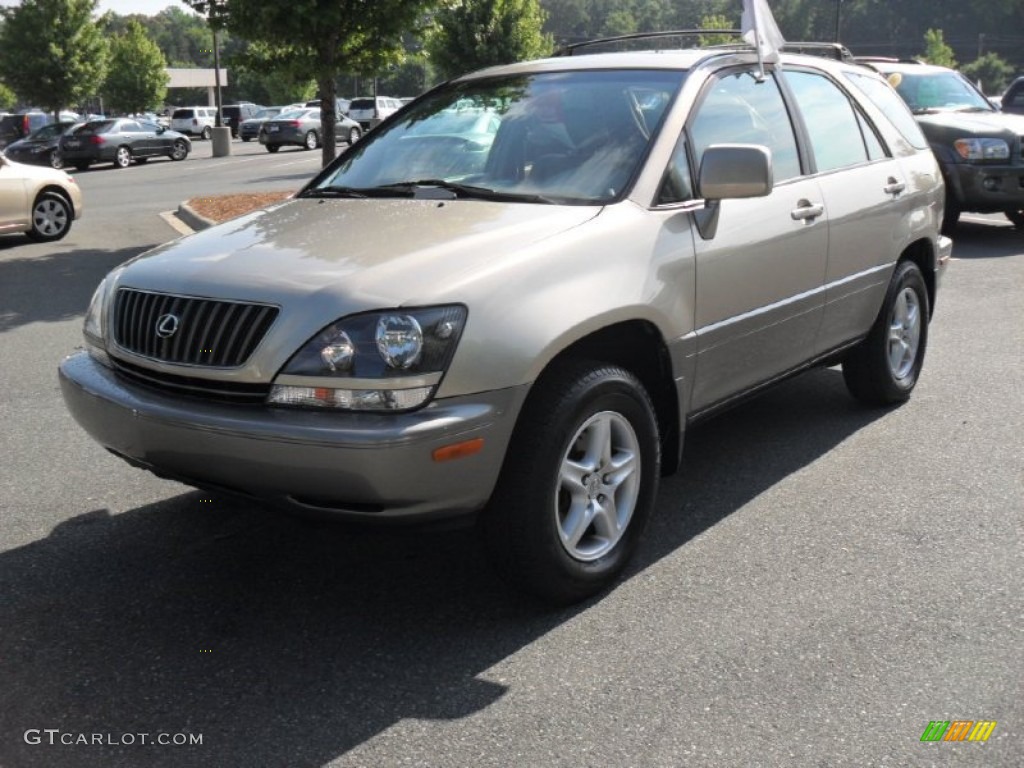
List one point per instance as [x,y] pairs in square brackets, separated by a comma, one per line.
[991,70]
[472,34]
[136,81]
[717,21]
[52,53]
[936,51]
[7,97]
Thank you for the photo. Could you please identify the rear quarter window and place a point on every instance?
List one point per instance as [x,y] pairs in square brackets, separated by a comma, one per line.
[883,96]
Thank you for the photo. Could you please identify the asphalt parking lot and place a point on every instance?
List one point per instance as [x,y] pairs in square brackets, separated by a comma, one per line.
[818,584]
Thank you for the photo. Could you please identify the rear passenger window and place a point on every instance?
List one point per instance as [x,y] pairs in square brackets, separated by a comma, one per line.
[740,110]
[893,107]
[834,127]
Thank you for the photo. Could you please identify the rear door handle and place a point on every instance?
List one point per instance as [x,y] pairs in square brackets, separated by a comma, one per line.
[894,187]
[807,211]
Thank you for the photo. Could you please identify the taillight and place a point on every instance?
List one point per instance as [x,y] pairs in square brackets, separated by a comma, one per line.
[97,140]
[294,123]
[24,126]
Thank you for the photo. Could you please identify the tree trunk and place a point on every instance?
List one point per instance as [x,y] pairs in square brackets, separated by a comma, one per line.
[327,88]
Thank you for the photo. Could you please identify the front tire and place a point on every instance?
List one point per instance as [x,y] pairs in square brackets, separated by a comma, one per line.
[56,161]
[1017,217]
[353,135]
[883,369]
[83,166]
[123,158]
[273,147]
[51,218]
[578,484]
[179,151]
[207,133]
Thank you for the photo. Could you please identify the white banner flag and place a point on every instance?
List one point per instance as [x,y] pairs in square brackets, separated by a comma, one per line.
[760,30]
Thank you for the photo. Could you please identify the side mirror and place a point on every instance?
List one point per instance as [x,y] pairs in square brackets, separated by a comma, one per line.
[731,172]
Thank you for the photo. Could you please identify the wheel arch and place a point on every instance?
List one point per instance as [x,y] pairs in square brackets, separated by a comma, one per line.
[922,253]
[56,190]
[638,347]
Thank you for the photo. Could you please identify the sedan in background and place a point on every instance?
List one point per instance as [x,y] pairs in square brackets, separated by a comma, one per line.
[41,202]
[121,141]
[250,129]
[40,148]
[302,128]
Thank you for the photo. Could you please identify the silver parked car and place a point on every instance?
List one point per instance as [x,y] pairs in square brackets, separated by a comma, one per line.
[303,128]
[518,322]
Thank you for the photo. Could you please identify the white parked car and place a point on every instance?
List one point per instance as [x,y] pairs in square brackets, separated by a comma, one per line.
[362,109]
[194,121]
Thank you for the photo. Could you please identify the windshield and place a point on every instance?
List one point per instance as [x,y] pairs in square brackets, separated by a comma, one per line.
[928,91]
[568,137]
[49,131]
[266,113]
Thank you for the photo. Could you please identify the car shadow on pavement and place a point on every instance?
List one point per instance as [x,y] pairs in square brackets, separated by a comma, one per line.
[53,287]
[976,240]
[288,642]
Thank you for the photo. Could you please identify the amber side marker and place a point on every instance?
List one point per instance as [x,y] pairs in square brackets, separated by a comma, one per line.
[458,450]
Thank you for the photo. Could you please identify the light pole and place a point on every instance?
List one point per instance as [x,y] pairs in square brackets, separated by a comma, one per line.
[839,15]
[216,77]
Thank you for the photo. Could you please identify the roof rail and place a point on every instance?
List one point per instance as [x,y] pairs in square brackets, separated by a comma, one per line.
[569,50]
[827,50]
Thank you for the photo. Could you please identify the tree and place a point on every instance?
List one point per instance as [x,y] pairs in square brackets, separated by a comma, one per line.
[137,81]
[478,33]
[717,21]
[936,51]
[326,37]
[7,97]
[52,53]
[991,71]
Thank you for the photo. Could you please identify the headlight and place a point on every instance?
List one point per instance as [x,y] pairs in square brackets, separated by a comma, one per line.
[92,328]
[378,361]
[982,149]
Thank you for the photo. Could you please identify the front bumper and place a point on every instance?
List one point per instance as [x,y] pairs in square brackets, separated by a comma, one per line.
[988,188]
[344,464]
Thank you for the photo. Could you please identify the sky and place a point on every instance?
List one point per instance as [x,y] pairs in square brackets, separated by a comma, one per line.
[124,7]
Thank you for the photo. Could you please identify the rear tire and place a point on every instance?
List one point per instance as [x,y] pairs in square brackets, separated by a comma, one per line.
[83,166]
[951,215]
[1017,217]
[273,147]
[311,141]
[123,158]
[207,133]
[56,161]
[883,369]
[578,484]
[51,218]
[353,135]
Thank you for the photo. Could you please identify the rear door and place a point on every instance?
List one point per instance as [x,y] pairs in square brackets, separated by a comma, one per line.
[759,279]
[866,195]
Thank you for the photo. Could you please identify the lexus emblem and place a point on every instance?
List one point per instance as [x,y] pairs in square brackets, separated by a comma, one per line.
[166,326]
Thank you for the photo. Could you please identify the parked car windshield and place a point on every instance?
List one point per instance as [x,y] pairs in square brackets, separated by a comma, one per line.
[568,137]
[926,91]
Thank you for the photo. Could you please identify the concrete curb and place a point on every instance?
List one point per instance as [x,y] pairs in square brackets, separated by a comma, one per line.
[189,216]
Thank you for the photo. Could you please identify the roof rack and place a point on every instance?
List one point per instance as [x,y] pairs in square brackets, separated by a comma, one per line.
[827,50]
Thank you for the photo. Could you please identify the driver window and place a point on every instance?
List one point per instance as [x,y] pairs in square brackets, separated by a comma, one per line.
[740,110]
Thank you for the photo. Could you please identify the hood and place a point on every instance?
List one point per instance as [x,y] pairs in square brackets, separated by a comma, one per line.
[350,255]
[968,124]
[44,172]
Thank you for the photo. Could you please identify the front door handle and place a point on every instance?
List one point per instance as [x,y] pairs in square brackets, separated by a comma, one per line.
[807,211]
[894,187]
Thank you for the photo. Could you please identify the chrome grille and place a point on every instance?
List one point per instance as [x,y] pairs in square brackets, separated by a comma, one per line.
[218,334]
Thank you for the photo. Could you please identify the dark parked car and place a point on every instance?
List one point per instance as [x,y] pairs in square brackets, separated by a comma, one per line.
[978,147]
[1013,99]
[120,142]
[233,115]
[40,148]
[302,127]
[20,125]
[250,129]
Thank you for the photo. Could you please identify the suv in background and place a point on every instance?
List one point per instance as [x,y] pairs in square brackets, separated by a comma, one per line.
[194,121]
[233,115]
[341,106]
[362,110]
[517,323]
[977,145]
[1013,99]
[18,126]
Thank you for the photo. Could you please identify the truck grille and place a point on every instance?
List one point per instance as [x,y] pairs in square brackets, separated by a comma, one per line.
[189,330]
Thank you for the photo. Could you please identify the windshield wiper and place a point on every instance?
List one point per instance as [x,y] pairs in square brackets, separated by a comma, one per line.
[466,191]
[334,192]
